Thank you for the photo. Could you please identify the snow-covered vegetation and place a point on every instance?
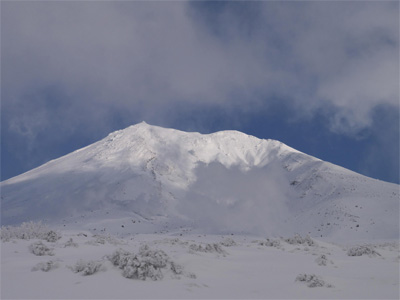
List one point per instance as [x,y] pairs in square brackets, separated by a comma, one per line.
[297,239]
[207,248]
[192,266]
[70,243]
[46,266]
[40,249]
[270,243]
[87,267]
[147,263]
[101,239]
[312,280]
[228,242]
[362,250]
[29,230]
[322,260]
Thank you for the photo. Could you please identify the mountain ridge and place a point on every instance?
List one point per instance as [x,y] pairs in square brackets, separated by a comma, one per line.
[153,172]
[144,127]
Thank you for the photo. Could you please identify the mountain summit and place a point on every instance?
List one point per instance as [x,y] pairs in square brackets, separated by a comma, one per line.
[224,182]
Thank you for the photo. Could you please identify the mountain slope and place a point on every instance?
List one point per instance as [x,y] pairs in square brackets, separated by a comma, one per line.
[221,182]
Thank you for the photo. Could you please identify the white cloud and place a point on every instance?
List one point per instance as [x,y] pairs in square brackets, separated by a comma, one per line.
[143,57]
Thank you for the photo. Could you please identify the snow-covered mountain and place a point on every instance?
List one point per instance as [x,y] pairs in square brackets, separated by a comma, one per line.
[146,178]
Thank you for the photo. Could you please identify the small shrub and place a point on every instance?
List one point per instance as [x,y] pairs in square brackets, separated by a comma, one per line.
[70,243]
[208,248]
[300,240]
[228,242]
[51,236]
[102,239]
[87,267]
[312,280]
[174,241]
[40,249]
[362,250]
[322,260]
[146,264]
[45,266]
[270,243]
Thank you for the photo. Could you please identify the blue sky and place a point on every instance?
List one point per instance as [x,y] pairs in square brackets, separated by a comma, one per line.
[322,77]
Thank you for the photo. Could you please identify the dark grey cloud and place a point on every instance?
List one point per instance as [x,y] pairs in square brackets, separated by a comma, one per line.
[74,66]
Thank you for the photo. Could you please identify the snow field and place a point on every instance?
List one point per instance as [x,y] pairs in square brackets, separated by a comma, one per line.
[250,267]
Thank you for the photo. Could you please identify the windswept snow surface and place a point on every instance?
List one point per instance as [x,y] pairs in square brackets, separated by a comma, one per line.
[207,216]
[225,182]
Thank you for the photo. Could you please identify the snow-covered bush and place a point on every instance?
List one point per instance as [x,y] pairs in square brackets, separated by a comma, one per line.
[51,236]
[87,267]
[362,250]
[173,241]
[29,230]
[270,243]
[40,249]
[107,238]
[312,280]
[70,243]
[300,240]
[392,246]
[322,260]
[45,266]
[208,248]
[146,264]
[228,242]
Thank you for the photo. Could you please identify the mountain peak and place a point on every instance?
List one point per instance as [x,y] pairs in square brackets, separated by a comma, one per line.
[142,124]
[218,182]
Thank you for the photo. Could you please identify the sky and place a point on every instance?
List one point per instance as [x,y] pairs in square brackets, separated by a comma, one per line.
[319,76]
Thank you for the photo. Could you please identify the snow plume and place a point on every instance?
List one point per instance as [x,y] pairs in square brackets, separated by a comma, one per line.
[234,200]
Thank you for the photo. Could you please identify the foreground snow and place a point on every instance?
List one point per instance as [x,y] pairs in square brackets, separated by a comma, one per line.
[83,265]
